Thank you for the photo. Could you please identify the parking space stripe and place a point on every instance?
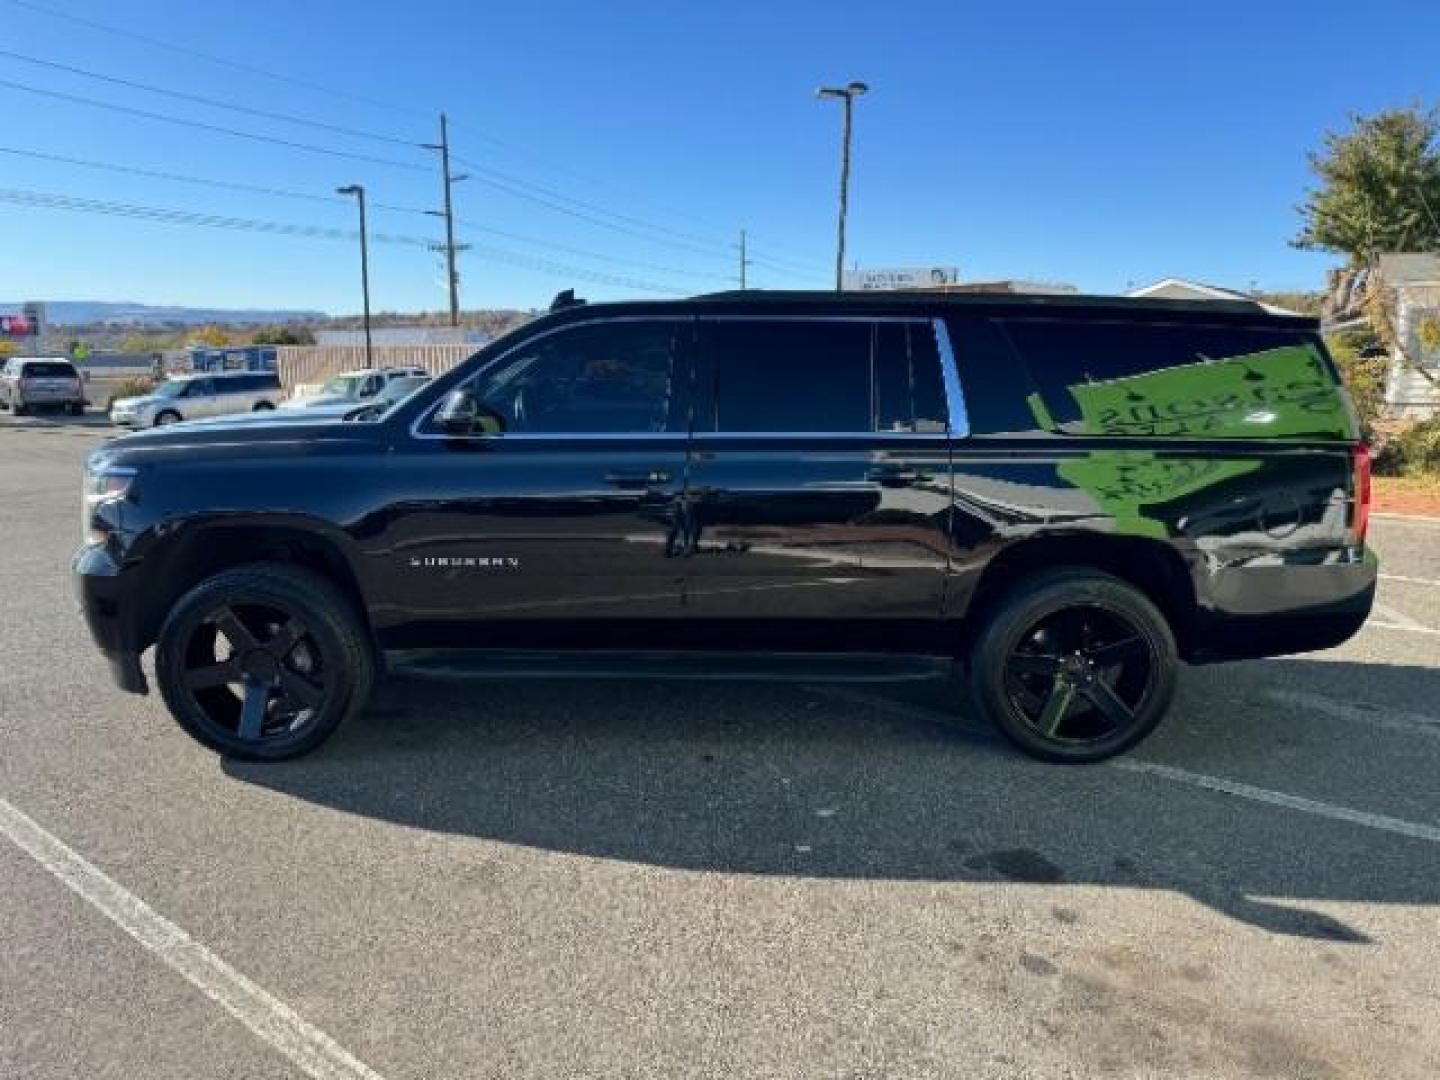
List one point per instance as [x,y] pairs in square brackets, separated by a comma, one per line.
[1399,827]
[1379,624]
[1390,719]
[1399,618]
[1410,580]
[316,1054]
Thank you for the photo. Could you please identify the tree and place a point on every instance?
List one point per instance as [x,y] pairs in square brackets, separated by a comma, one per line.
[210,335]
[283,335]
[1379,187]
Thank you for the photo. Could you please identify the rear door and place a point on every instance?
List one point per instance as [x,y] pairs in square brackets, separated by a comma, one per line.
[819,490]
[561,528]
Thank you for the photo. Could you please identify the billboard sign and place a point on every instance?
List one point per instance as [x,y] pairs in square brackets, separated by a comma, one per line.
[15,326]
[904,277]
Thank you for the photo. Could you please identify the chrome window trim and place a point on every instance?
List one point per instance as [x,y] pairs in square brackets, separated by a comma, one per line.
[954,399]
[958,416]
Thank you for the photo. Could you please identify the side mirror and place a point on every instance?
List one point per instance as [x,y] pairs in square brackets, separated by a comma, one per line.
[458,413]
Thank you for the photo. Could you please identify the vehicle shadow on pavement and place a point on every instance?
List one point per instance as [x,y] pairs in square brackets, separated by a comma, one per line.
[873,784]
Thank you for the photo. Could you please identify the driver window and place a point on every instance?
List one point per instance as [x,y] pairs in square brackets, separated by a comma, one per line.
[617,378]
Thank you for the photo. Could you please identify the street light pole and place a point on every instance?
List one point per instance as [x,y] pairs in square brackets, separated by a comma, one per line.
[359,192]
[847,95]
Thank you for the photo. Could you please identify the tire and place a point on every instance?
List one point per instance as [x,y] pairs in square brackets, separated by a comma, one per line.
[17,407]
[168,416]
[262,406]
[1073,666]
[285,615]
[77,408]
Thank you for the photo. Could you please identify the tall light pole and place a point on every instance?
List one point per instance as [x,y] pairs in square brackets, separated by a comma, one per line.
[847,95]
[359,193]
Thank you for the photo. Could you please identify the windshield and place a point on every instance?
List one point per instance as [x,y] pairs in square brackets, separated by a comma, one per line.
[342,385]
[385,401]
[171,388]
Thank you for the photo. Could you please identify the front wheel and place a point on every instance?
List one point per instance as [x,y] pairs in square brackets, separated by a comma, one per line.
[263,662]
[1074,665]
[262,406]
[169,416]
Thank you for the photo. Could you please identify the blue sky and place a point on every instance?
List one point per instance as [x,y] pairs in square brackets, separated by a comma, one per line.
[1130,142]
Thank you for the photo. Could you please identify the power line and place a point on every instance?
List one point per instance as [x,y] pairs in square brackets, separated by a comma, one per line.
[334,200]
[596,255]
[215,103]
[694,238]
[171,216]
[184,178]
[184,50]
[217,128]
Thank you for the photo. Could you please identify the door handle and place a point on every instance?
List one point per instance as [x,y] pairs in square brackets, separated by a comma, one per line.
[637,478]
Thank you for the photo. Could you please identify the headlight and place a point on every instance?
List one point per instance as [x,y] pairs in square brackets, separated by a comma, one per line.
[103,485]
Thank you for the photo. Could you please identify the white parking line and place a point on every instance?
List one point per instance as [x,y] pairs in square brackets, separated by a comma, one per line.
[1410,580]
[1407,519]
[310,1049]
[1279,798]
[1399,618]
[1398,826]
[1391,719]
[1380,625]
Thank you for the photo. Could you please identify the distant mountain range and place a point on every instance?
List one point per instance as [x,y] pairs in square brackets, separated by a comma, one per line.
[87,312]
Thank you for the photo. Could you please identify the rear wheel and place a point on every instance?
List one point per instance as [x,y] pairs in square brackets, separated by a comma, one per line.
[263,662]
[1074,665]
[262,406]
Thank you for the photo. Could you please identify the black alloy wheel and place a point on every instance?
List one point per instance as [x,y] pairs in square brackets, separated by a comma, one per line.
[1075,666]
[263,662]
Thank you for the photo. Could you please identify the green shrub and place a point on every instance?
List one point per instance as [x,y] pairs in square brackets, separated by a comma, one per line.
[1363,366]
[1414,451]
[133,388]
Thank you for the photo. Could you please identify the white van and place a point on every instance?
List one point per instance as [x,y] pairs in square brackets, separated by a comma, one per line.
[189,397]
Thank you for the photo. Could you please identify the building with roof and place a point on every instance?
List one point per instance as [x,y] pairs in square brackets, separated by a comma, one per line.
[1415,282]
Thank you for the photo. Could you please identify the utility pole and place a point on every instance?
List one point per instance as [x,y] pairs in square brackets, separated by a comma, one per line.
[744,260]
[359,193]
[847,95]
[450,248]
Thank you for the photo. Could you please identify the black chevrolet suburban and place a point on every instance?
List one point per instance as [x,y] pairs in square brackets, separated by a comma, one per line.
[1057,499]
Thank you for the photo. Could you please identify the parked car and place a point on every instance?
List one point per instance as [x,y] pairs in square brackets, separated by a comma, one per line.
[189,397]
[352,387]
[30,381]
[397,390]
[1060,498]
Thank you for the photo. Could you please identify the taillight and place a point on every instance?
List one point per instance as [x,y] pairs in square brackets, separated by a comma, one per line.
[1360,516]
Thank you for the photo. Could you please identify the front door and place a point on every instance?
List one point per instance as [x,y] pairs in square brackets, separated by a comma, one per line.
[819,491]
[560,528]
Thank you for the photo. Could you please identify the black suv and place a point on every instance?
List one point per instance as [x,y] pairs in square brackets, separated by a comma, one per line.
[1066,495]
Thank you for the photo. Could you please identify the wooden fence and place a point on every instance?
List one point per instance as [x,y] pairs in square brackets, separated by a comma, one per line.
[302,365]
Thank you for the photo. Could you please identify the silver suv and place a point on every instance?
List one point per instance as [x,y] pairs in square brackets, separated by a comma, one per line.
[190,397]
[28,381]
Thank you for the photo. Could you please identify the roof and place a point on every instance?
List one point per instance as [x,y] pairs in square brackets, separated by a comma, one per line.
[923,303]
[1410,268]
[1172,288]
[1199,290]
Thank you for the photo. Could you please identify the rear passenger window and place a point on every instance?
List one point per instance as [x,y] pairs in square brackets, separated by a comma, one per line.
[791,376]
[909,391]
[1114,378]
[819,376]
[997,391]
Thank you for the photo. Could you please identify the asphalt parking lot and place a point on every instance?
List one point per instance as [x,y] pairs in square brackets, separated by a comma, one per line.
[520,879]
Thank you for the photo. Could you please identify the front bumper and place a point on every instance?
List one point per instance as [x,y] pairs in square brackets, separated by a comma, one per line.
[102,590]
